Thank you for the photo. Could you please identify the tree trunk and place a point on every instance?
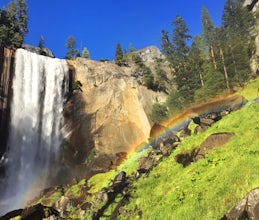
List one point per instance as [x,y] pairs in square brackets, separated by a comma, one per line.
[213,57]
[201,79]
[224,67]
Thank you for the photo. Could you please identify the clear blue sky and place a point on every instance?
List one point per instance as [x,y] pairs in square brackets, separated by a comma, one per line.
[100,24]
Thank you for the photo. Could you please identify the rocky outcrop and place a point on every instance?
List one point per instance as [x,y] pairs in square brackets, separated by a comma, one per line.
[247,208]
[214,140]
[6,75]
[39,50]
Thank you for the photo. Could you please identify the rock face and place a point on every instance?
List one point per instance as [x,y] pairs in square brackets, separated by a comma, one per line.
[247,208]
[110,116]
[6,75]
[150,54]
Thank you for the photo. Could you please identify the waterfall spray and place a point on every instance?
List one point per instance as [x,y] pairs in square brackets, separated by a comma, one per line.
[39,88]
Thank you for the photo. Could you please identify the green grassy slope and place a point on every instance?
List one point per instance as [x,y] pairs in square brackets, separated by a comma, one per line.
[209,187]
[206,189]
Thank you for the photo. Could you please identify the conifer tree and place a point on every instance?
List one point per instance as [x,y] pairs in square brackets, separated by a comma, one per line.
[86,53]
[71,48]
[208,34]
[13,24]
[118,55]
[237,26]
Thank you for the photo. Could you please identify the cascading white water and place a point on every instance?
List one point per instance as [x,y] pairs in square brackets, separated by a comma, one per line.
[39,88]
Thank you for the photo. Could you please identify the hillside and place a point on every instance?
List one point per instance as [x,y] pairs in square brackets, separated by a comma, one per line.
[205,189]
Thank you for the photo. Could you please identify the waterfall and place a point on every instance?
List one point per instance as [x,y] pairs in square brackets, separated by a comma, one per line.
[39,87]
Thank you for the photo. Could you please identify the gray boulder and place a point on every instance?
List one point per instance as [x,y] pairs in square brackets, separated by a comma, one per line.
[246,208]
[38,50]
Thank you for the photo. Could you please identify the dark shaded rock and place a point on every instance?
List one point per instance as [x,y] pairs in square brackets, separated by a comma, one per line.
[146,164]
[214,140]
[200,129]
[185,132]
[247,208]
[120,177]
[6,77]
[39,50]
[36,212]
[100,163]
[11,214]
[168,145]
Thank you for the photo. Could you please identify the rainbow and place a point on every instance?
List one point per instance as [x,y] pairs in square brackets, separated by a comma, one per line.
[181,121]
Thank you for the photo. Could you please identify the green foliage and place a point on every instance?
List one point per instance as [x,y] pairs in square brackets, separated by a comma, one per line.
[71,48]
[148,79]
[77,85]
[213,84]
[13,24]
[86,53]
[159,113]
[118,55]
[216,61]
[175,101]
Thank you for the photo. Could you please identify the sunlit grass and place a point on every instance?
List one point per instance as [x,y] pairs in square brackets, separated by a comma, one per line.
[209,187]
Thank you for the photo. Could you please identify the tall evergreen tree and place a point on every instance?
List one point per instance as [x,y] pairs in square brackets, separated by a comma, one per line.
[71,48]
[208,34]
[13,24]
[166,45]
[180,37]
[237,26]
[118,55]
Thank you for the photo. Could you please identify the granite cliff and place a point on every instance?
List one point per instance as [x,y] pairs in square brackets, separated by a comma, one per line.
[108,118]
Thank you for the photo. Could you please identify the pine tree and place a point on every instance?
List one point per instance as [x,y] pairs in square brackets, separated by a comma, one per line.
[237,26]
[118,55]
[86,53]
[197,57]
[13,24]
[208,34]
[166,45]
[71,48]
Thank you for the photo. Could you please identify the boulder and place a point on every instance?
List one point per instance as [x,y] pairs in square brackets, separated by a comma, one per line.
[214,140]
[37,211]
[39,50]
[246,208]
[146,164]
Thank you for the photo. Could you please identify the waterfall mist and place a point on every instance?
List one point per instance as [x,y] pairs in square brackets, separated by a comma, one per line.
[40,85]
